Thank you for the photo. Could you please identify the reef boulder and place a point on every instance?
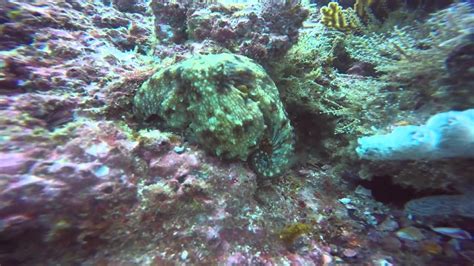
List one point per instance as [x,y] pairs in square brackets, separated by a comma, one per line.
[225,102]
[262,31]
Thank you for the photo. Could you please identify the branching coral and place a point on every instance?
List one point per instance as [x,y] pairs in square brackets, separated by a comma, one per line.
[416,58]
[368,82]
[358,18]
[310,84]
[418,64]
[333,16]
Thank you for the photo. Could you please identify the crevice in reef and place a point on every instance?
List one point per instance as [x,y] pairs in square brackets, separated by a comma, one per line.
[389,193]
[310,130]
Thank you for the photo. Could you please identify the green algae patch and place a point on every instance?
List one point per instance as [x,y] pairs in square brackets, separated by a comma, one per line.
[291,232]
[225,102]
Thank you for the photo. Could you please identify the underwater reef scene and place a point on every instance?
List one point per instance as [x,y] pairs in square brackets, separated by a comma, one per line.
[271,132]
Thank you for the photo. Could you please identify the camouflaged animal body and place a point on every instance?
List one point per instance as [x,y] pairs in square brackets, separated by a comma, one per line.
[225,102]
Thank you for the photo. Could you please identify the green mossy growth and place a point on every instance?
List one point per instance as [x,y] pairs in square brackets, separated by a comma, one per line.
[291,232]
[14,14]
[225,102]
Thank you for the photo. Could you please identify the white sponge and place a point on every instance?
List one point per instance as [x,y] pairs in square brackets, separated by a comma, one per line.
[445,135]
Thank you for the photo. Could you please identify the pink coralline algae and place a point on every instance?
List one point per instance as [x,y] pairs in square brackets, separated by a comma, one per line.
[83,182]
[64,184]
[62,174]
[61,46]
[173,165]
[12,163]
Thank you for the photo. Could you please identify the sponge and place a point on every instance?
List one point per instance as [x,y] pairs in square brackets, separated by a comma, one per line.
[445,135]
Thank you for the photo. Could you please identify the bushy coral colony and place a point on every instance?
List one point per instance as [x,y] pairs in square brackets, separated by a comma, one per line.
[272,132]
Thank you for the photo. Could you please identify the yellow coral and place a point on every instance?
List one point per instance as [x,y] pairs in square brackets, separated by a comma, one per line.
[333,16]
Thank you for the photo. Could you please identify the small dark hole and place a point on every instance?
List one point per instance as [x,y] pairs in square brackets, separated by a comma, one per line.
[154,119]
[386,191]
[181,179]
[108,190]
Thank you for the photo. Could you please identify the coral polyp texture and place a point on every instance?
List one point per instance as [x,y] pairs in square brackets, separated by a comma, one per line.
[445,135]
[225,102]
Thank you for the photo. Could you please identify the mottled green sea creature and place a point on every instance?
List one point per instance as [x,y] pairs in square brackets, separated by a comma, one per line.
[225,102]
